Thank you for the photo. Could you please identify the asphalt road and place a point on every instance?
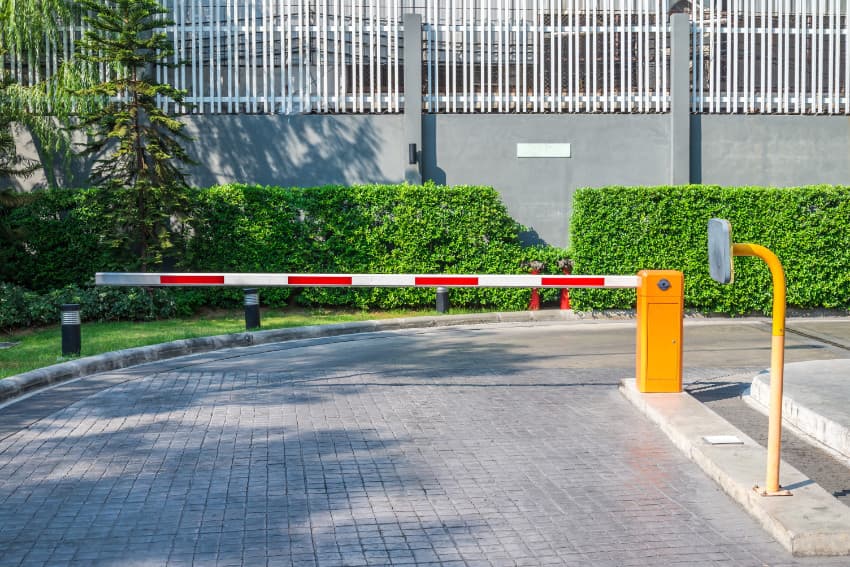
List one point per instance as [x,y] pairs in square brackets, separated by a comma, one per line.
[490,445]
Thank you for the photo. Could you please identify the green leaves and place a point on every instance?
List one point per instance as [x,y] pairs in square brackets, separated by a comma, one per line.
[137,145]
[621,230]
[249,228]
[361,229]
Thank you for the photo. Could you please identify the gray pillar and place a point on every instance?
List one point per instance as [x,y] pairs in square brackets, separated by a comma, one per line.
[680,99]
[413,98]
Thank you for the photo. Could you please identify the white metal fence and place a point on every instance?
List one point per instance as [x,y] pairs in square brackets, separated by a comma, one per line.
[546,56]
[344,56]
[287,56]
[770,56]
[479,55]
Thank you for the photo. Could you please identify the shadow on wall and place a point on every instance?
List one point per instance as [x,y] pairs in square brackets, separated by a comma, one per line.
[62,170]
[300,150]
[696,149]
[431,170]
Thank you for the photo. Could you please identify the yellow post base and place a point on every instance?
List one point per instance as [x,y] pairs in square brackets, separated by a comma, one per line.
[781,492]
[660,307]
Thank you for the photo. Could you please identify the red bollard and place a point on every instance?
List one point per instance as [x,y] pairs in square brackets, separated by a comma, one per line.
[567,267]
[534,302]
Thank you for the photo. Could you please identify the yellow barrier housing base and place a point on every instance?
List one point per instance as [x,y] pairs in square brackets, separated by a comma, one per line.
[660,307]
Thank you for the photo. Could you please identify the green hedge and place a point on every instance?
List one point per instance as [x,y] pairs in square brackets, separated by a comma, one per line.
[621,230]
[22,308]
[61,239]
[363,229]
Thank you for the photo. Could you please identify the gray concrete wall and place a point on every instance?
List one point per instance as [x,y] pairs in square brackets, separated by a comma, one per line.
[780,151]
[480,149]
[301,150]
[605,150]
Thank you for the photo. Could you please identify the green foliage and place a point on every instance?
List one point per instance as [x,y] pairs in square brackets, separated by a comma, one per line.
[363,229]
[60,240]
[24,24]
[11,164]
[46,107]
[137,144]
[621,230]
[21,308]
[13,307]
[242,228]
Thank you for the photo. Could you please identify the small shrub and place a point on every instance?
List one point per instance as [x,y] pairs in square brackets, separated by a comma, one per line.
[13,306]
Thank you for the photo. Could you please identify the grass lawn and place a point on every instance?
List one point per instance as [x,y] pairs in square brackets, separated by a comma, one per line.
[41,347]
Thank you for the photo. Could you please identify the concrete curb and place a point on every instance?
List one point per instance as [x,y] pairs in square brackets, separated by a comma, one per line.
[18,385]
[834,435]
[809,523]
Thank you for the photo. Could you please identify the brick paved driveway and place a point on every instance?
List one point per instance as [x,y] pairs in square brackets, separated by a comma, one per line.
[490,446]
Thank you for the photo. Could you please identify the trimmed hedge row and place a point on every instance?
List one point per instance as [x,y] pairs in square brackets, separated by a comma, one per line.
[364,229]
[22,308]
[62,240]
[621,230]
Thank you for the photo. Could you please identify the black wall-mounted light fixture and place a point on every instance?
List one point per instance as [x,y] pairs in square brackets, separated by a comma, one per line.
[411,154]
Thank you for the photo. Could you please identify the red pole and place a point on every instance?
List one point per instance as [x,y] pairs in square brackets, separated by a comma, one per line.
[535,266]
[567,268]
[534,303]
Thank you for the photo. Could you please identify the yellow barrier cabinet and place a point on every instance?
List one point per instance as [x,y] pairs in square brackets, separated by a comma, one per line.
[660,306]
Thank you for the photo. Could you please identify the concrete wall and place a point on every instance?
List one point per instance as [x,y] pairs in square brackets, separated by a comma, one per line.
[301,150]
[605,149]
[781,151]
[478,149]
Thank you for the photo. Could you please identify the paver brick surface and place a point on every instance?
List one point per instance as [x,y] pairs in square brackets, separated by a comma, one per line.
[279,459]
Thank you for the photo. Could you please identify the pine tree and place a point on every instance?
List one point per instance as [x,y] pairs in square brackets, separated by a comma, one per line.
[137,144]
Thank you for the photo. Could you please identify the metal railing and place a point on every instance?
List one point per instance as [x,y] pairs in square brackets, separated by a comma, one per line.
[547,56]
[287,56]
[539,56]
[771,56]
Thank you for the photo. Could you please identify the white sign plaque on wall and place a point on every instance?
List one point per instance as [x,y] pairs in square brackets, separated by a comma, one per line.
[542,150]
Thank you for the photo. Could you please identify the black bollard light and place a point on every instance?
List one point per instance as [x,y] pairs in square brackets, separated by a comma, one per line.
[442,300]
[70,329]
[252,309]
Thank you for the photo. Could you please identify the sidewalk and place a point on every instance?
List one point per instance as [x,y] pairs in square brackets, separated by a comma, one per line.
[816,394]
[816,402]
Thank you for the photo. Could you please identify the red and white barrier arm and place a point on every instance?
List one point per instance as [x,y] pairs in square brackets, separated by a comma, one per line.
[364,280]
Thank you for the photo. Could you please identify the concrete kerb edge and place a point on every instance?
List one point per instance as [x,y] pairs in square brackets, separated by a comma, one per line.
[832,542]
[18,385]
[800,418]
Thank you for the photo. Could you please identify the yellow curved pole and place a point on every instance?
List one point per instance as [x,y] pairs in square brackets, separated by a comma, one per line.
[777,362]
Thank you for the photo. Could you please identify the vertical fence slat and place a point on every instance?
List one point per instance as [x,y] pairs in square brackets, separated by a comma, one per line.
[797,65]
[605,26]
[762,36]
[487,35]
[846,53]
[713,78]
[571,68]
[469,55]
[628,57]
[588,66]
[396,16]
